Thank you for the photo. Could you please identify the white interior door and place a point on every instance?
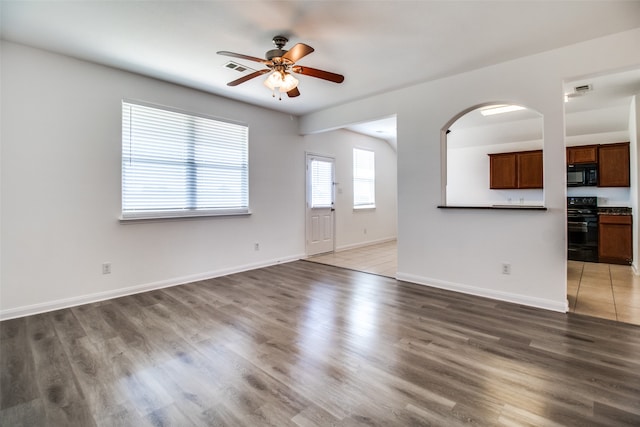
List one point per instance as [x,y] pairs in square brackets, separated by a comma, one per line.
[320,200]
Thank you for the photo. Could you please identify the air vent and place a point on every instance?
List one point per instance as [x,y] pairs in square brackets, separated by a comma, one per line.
[583,89]
[237,67]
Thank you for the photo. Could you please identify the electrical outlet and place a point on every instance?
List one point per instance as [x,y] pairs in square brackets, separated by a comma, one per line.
[256,247]
[506,268]
[365,231]
[106,268]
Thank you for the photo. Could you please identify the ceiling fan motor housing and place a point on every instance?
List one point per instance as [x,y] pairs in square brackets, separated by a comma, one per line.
[279,42]
[275,53]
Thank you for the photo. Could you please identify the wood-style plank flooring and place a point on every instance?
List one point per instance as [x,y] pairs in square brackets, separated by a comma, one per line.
[305,344]
[595,289]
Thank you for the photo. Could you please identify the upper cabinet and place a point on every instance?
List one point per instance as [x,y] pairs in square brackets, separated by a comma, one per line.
[613,165]
[612,162]
[502,171]
[529,165]
[515,170]
[582,154]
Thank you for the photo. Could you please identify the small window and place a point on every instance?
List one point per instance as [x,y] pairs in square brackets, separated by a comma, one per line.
[364,179]
[177,164]
[321,183]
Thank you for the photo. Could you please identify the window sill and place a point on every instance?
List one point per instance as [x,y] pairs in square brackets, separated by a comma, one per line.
[364,208]
[178,216]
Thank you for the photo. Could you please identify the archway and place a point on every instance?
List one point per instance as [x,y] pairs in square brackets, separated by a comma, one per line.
[471,137]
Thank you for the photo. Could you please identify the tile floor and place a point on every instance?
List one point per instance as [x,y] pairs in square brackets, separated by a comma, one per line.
[600,290]
[380,258]
[604,290]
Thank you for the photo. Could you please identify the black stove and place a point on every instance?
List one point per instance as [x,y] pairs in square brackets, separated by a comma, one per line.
[582,228]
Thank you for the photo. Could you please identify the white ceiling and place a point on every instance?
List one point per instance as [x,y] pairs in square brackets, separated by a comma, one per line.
[377,45]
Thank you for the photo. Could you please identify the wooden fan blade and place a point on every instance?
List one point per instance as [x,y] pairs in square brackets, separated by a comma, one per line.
[298,51]
[241,56]
[248,77]
[293,92]
[313,72]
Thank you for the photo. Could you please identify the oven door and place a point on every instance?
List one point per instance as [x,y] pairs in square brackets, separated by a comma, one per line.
[578,229]
[582,239]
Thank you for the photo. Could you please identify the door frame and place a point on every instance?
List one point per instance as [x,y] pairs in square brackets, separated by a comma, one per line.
[308,157]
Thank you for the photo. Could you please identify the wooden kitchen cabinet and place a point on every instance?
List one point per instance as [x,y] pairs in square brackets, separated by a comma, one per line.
[502,171]
[515,170]
[615,239]
[529,169]
[582,154]
[613,165]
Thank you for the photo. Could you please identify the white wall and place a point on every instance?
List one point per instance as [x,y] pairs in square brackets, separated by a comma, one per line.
[380,223]
[464,249]
[60,198]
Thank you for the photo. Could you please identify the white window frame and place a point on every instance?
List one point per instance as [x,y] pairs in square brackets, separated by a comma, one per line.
[179,164]
[321,183]
[364,178]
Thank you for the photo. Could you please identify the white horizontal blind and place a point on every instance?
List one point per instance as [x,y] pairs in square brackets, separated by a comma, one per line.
[364,179]
[178,164]
[321,183]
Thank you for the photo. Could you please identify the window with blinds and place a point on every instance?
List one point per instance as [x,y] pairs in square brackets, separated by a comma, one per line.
[321,183]
[178,164]
[364,179]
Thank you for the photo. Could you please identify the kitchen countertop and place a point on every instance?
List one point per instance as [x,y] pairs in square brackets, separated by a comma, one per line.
[614,210]
[512,207]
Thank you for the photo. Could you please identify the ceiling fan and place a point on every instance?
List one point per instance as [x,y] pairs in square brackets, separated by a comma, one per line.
[283,63]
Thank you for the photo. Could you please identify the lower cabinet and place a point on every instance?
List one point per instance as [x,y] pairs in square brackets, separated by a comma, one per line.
[615,239]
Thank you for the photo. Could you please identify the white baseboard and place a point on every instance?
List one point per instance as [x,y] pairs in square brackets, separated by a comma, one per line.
[546,304]
[363,244]
[28,310]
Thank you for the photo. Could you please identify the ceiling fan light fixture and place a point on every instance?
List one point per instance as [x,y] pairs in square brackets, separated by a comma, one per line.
[289,82]
[278,63]
[282,81]
[273,80]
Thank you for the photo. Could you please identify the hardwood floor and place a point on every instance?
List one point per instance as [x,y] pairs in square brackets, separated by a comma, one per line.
[594,289]
[305,344]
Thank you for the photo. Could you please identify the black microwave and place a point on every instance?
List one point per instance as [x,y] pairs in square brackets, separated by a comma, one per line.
[584,175]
